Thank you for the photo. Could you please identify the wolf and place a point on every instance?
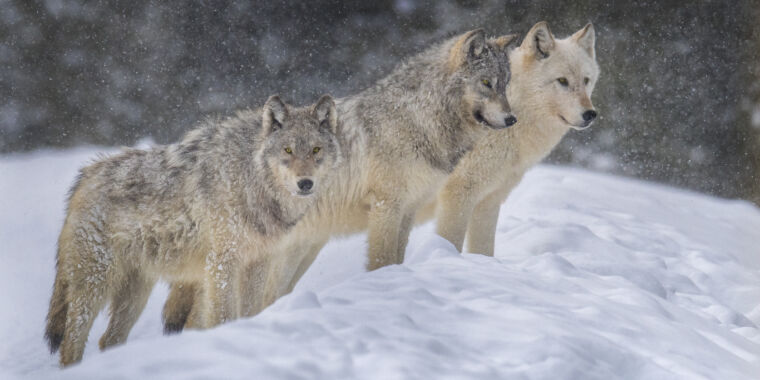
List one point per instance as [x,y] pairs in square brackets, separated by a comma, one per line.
[197,210]
[402,137]
[550,93]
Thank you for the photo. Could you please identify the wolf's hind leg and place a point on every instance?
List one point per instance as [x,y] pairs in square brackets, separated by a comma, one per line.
[127,304]
[179,305]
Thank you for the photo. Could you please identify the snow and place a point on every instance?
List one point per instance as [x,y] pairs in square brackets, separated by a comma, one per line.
[595,277]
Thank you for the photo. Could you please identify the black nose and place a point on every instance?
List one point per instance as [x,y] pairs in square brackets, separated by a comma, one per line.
[510,120]
[589,115]
[305,184]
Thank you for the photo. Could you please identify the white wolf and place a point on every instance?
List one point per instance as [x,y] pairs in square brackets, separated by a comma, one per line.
[550,91]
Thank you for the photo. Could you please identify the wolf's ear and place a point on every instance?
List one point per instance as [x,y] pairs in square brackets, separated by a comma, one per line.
[475,43]
[273,114]
[503,42]
[586,39]
[326,113]
[470,45]
[539,40]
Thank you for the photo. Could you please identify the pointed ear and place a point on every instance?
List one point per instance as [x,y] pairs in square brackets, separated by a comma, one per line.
[539,40]
[503,42]
[586,39]
[326,113]
[469,46]
[273,115]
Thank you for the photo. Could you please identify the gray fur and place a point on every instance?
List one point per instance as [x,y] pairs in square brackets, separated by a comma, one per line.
[402,137]
[423,87]
[198,210]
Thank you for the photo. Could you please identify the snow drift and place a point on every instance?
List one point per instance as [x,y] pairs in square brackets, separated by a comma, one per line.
[595,277]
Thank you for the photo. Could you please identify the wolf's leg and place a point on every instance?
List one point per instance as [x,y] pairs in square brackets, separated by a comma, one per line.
[182,296]
[481,230]
[197,318]
[309,253]
[426,212]
[286,266]
[455,205]
[87,290]
[252,282]
[403,238]
[385,217]
[127,304]
[220,286]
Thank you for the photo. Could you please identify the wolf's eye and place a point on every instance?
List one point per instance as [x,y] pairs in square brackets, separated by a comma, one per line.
[585,80]
[288,150]
[316,149]
[562,81]
[486,83]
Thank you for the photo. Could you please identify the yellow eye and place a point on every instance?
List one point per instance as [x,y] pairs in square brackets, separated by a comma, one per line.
[585,80]
[486,83]
[288,150]
[316,150]
[562,81]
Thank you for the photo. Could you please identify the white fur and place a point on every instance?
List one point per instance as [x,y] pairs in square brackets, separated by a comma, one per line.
[546,110]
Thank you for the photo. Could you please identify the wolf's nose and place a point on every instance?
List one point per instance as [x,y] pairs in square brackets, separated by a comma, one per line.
[305,184]
[589,115]
[510,120]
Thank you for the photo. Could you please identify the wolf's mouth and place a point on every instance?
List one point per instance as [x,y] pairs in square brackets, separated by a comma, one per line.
[573,126]
[304,193]
[480,119]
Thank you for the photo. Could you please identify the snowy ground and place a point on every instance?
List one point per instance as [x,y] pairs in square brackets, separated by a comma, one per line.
[595,277]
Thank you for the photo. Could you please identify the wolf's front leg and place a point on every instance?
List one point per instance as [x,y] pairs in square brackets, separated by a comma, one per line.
[455,204]
[252,287]
[481,231]
[221,288]
[385,218]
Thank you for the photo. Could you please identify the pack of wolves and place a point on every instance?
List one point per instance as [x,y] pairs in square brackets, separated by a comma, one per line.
[234,213]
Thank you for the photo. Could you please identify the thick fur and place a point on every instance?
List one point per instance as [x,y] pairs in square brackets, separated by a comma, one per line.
[196,211]
[402,138]
[546,109]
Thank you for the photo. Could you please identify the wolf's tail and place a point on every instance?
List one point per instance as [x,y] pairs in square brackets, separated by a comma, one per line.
[56,318]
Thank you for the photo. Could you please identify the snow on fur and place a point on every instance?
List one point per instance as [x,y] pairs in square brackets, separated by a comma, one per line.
[595,277]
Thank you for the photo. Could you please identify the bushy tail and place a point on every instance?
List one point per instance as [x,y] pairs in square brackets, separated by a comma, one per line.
[56,318]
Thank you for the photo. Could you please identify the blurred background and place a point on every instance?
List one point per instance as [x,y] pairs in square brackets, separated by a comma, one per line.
[679,94]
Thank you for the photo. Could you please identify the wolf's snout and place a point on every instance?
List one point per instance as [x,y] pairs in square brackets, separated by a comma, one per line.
[510,120]
[305,184]
[589,116]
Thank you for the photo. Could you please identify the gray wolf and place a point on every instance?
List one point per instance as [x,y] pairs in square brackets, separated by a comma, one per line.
[402,137]
[195,211]
[550,93]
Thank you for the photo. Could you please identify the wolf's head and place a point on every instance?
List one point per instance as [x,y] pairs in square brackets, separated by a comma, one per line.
[555,77]
[482,67]
[300,146]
